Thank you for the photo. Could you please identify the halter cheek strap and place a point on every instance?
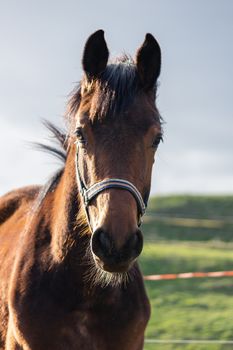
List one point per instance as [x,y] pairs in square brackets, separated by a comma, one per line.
[89,193]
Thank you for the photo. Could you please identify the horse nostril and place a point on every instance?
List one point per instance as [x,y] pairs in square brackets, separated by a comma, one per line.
[101,243]
[135,243]
[103,247]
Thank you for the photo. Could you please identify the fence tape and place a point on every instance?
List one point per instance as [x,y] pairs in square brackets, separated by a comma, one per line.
[173,276]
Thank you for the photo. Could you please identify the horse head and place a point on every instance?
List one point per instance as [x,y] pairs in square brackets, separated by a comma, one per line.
[116,131]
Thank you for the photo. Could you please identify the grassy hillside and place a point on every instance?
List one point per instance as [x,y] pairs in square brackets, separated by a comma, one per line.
[185,234]
[193,206]
[189,218]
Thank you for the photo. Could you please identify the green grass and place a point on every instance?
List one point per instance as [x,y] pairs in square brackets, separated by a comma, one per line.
[193,206]
[157,230]
[192,308]
[190,218]
[187,234]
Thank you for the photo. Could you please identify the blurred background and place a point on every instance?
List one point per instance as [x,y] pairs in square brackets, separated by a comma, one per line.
[189,225]
[41,47]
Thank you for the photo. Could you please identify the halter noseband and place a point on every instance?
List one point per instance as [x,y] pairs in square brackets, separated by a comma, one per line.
[89,193]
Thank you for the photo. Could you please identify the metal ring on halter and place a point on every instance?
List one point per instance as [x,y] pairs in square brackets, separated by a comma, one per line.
[89,193]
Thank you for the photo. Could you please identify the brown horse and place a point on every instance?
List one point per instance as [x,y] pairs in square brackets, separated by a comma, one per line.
[68,272]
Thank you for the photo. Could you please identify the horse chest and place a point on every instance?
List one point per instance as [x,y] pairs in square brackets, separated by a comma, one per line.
[115,322]
[109,328]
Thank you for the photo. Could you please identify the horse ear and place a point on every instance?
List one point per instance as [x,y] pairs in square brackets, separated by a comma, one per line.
[148,61]
[95,55]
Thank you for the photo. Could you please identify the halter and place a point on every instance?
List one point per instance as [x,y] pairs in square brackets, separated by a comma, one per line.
[89,193]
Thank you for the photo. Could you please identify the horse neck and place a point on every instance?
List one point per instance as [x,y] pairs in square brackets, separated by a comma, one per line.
[67,217]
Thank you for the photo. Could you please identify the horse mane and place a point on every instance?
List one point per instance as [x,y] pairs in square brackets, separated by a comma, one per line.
[59,137]
[59,150]
[115,88]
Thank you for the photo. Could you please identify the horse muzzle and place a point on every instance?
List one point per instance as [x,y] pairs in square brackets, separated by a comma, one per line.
[111,258]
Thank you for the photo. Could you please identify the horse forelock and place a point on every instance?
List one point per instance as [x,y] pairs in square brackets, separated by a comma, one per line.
[113,90]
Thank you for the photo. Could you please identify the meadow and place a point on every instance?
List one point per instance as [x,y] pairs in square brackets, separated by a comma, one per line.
[188,234]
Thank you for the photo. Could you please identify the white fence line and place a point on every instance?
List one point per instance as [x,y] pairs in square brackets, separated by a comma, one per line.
[187,341]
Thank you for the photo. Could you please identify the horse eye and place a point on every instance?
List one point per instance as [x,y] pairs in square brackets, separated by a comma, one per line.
[157,141]
[79,135]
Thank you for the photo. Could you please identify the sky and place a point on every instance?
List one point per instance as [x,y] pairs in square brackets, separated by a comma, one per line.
[41,45]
